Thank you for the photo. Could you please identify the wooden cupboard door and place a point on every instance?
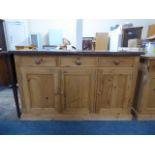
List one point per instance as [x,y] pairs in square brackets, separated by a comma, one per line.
[114,90]
[151,98]
[40,89]
[77,90]
[148,96]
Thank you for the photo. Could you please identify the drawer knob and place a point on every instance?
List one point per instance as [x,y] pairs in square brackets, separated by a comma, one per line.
[78,62]
[39,61]
[116,62]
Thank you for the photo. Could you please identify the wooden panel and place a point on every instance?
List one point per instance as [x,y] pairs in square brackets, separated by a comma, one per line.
[40,89]
[143,93]
[146,95]
[105,90]
[40,98]
[151,97]
[78,61]
[114,90]
[78,91]
[36,61]
[116,61]
[151,65]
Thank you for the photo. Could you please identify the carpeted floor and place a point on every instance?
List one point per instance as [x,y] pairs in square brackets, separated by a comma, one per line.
[7,104]
[77,127]
[11,125]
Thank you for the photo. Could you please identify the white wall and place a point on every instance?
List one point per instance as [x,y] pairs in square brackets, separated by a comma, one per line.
[42,26]
[90,27]
[79,34]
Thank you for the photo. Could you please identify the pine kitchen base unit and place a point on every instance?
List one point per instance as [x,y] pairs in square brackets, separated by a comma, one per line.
[145,107]
[76,85]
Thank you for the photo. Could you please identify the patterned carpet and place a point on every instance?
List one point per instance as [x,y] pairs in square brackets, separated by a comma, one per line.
[7,104]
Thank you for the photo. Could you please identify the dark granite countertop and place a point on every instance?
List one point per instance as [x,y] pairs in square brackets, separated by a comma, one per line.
[3,53]
[148,56]
[79,53]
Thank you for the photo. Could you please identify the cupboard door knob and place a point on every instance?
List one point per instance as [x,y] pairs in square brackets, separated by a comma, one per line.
[78,62]
[38,62]
[116,62]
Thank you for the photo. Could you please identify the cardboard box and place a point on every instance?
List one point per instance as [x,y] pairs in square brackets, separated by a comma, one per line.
[102,40]
[134,43]
[151,30]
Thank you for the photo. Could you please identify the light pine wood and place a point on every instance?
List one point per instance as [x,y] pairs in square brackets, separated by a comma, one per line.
[36,61]
[40,86]
[78,61]
[114,90]
[152,65]
[76,87]
[146,96]
[45,116]
[77,90]
[116,61]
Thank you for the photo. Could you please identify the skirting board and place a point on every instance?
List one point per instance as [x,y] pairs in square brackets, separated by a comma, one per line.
[76,117]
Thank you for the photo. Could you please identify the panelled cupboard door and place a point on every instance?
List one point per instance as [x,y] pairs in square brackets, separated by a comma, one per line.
[77,91]
[148,96]
[40,90]
[114,90]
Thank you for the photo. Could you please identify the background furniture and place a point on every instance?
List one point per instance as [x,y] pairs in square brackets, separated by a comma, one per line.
[120,37]
[12,75]
[4,75]
[130,33]
[2,36]
[17,33]
[151,30]
[145,102]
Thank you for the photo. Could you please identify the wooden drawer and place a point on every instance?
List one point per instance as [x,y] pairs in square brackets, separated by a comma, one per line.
[78,61]
[36,60]
[116,61]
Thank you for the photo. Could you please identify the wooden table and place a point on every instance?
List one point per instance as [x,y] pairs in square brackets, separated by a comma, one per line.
[12,73]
